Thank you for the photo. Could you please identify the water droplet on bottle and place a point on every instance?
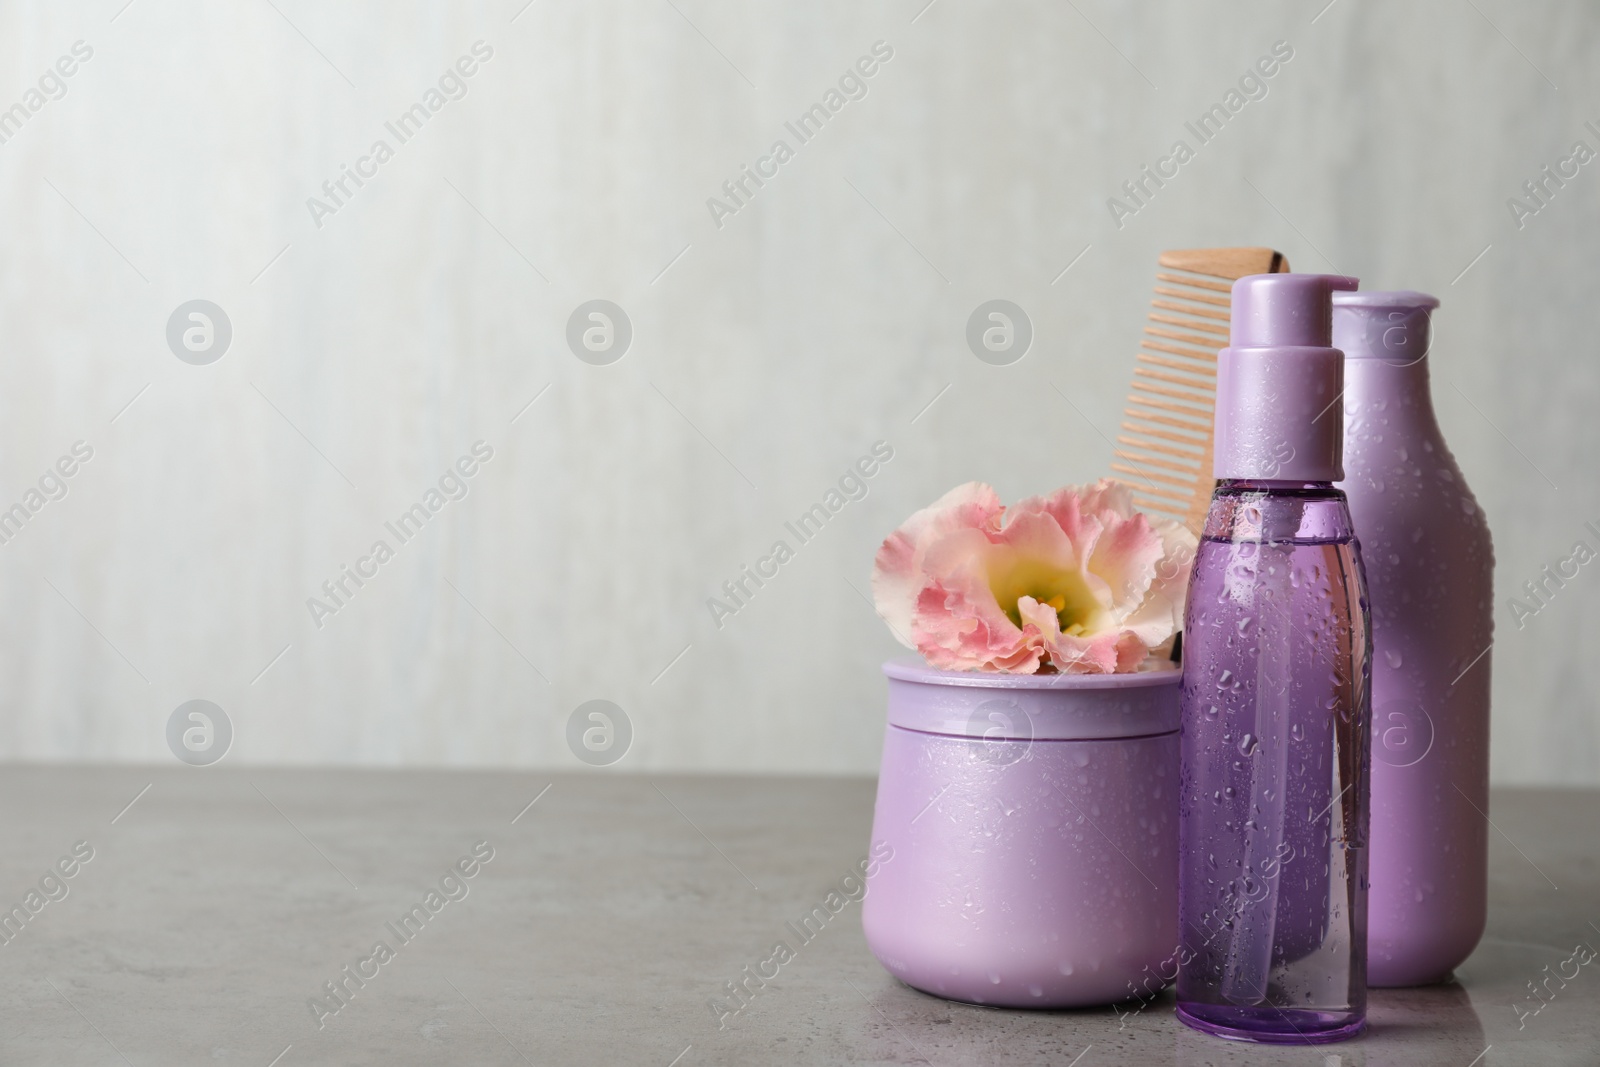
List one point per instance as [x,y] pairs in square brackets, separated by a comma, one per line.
[1393,657]
[1245,623]
[1297,732]
[1247,745]
[1212,711]
[1066,967]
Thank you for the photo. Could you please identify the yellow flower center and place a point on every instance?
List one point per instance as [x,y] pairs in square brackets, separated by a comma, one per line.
[1064,592]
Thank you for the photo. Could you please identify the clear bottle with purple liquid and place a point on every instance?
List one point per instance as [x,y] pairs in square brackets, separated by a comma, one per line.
[1276,721]
[1273,855]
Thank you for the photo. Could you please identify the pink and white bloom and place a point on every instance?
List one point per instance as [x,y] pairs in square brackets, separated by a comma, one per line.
[1077,581]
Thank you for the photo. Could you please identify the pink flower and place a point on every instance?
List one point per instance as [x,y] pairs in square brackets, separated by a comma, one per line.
[1077,581]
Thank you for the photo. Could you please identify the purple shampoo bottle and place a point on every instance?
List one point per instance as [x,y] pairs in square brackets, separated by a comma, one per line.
[1430,573]
[1275,714]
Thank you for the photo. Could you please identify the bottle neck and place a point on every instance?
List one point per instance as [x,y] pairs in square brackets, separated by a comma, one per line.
[1383,394]
[1271,485]
[1278,511]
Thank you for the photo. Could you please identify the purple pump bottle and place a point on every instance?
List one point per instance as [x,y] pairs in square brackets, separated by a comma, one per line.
[1272,883]
[1430,565]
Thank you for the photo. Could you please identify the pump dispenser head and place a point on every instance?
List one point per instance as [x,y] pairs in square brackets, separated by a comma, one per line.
[1279,381]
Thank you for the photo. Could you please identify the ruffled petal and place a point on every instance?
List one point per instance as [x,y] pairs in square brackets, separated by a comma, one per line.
[956,631]
[1110,652]
[1125,558]
[1160,614]
[897,572]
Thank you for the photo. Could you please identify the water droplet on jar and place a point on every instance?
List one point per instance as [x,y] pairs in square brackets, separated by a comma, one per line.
[1036,991]
[994,978]
[1228,792]
[1247,745]
[1212,711]
[1225,680]
[1297,732]
[1393,657]
[1066,967]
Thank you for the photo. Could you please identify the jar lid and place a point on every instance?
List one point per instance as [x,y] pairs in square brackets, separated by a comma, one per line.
[1032,707]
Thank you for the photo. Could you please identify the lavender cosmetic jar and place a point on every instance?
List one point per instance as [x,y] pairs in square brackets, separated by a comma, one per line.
[1034,822]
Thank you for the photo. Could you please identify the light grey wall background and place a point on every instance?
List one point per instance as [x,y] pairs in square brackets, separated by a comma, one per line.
[768,353]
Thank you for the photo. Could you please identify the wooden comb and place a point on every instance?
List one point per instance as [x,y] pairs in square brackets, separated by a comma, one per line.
[1164,449]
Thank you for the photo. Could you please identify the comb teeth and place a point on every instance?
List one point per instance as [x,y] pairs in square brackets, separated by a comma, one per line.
[1163,451]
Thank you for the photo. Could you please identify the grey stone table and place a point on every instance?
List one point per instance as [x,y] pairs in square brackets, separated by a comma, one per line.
[206,908]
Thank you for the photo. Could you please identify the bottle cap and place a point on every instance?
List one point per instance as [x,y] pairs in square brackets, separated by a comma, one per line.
[1392,326]
[1280,380]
